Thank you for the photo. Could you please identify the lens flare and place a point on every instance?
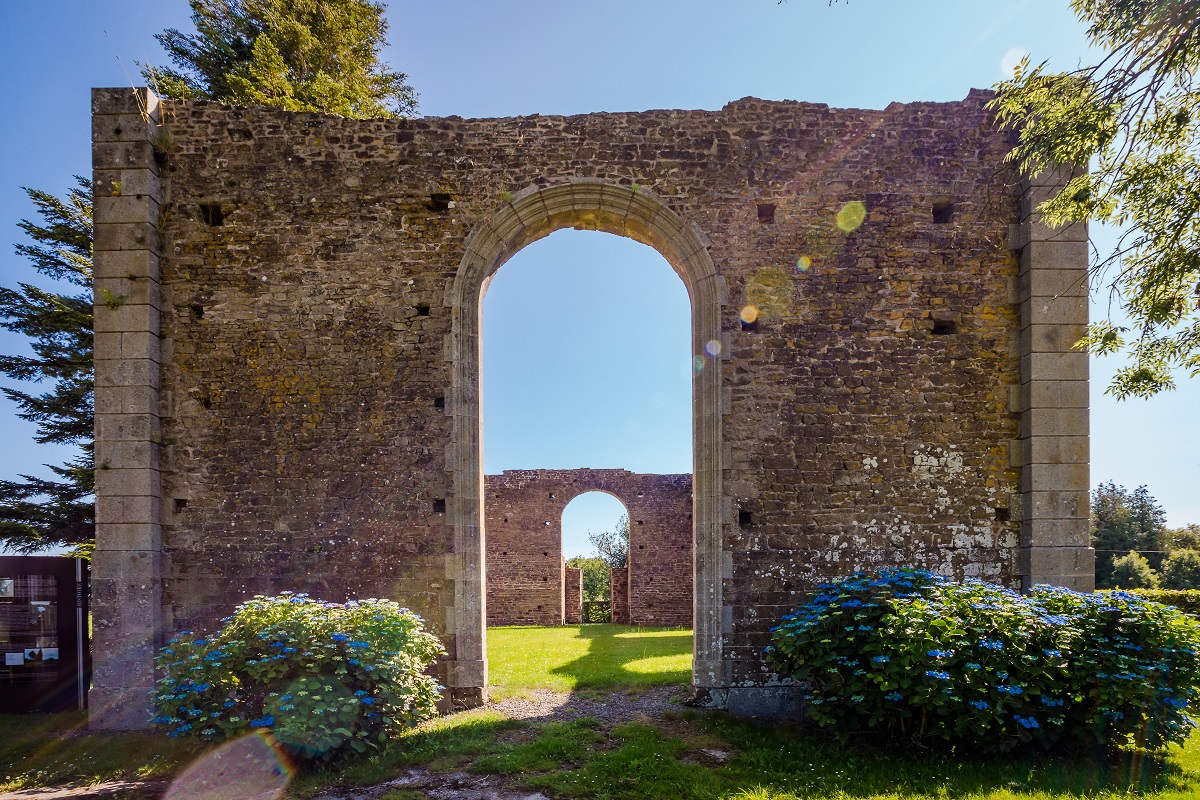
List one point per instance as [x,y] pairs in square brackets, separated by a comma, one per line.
[770,291]
[803,264]
[851,216]
[249,767]
[749,314]
[713,348]
[1011,60]
[697,363]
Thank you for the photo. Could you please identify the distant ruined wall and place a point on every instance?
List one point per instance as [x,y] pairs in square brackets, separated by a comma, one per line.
[524,511]
[287,358]
[618,594]
[573,605]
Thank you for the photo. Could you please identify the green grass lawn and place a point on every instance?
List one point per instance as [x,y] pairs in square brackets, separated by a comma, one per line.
[570,657]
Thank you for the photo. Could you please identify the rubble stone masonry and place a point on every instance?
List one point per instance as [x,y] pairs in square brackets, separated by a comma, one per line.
[287,358]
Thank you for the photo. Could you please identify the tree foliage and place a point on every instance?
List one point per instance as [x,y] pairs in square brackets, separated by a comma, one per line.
[613,546]
[301,55]
[1133,571]
[595,577]
[1185,538]
[1181,570]
[1135,117]
[38,513]
[1124,521]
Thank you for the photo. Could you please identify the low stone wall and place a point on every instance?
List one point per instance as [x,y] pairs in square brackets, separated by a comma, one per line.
[618,583]
[573,607]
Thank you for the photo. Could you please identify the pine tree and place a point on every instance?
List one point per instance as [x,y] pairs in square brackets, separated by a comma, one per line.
[37,513]
[308,55]
[301,55]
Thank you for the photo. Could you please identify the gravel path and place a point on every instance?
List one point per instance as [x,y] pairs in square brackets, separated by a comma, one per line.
[541,705]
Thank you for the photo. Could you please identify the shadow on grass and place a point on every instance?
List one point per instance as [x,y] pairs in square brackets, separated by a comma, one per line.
[54,749]
[613,648]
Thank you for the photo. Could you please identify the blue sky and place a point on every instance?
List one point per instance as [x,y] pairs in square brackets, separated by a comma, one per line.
[580,370]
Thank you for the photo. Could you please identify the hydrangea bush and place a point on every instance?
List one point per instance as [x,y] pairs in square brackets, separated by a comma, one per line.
[915,654]
[324,678]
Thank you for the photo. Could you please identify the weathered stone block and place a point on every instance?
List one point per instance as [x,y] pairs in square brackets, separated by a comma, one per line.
[1059,449]
[130,482]
[126,209]
[1040,563]
[126,428]
[1072,366]
[1048,532]
[126,318]
[126,400]
[1054,477]
[1057,255]
[138,101]
[123,155]
[139,236]
[1054,311]
[127,372]
[1056,505]
[1054,394]
[123,128]
[128,510]
[1038,422]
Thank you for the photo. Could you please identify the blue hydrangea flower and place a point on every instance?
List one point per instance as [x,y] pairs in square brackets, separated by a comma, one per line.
[881,659]
[941,675]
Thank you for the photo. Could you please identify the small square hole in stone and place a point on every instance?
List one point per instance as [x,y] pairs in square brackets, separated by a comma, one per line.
[1003,515]
[944,327]
[640,522]
[197,312]
[745,519]
[211,214]
[943,212]
[439,402]
[439,505]
[766,213]
[422,311]
[439,202]
[750,326]
[180,504]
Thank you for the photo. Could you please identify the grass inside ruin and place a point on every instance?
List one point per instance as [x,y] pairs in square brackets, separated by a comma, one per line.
[573,657]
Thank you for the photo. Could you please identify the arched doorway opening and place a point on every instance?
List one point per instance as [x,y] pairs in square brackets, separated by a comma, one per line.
[528,216]
[595,529]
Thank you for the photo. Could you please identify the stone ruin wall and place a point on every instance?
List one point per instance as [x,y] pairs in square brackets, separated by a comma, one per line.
[573,596]
[287,385]
[525,569]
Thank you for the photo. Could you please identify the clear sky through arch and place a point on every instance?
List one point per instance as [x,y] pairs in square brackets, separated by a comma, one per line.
[590,512]
[587,361]
[479,58]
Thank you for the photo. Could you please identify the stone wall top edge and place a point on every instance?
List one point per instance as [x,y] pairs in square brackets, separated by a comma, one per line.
[973,102]
[546,474]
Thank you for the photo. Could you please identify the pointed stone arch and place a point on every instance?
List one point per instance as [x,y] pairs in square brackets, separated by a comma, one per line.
[532,214]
